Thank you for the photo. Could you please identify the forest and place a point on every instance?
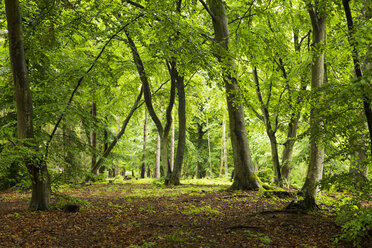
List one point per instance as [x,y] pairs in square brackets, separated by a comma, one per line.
[116,114]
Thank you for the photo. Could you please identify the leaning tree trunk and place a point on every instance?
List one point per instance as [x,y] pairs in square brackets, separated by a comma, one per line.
[315,171]
[245,177]
[36,167]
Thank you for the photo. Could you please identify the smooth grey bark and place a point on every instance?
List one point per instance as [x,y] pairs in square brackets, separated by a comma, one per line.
[271,132]
[163,131]
[245,177]
[315,170]
[36,167]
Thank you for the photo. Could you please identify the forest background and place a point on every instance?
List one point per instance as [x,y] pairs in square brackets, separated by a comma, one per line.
[177,89]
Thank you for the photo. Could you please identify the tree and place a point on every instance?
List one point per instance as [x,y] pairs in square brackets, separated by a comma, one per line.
[245,177]
[36,166]
[318,15]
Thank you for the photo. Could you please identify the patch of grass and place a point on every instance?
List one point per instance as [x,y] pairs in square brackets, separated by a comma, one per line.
[265,240]
[174,238]
[206,210]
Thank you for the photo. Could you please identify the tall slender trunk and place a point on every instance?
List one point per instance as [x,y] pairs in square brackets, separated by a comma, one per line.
[157,161]
[171,155]
[94,138]
[143,166]
[37,168]
[315,171]
[209,151]
[224,150]
[180,84]
[200,165]
[245,177]
[271,133]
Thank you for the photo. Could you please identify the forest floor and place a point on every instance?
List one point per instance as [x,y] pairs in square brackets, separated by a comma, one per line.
[150,215]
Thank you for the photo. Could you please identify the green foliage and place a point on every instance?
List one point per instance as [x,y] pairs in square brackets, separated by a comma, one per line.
[354,218]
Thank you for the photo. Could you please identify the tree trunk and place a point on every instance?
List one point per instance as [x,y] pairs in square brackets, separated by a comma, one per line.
[94,138]
[163,132]
[143,166]
[36,167]
[157,161]
[315,171]
[171,155]
[223,149]
[357,68]
[70,167]
[288,148]
[245,177]
[180,84]
[210,172]
[200,169]
[269,129]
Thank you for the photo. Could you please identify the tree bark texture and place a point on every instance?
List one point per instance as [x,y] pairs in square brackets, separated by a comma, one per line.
[315,170]
[36,167]
[245,177]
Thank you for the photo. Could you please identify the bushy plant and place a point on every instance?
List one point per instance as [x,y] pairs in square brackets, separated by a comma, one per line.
[354,219]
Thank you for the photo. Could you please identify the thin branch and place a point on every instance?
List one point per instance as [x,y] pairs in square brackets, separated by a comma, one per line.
[207,8]
[135,4]
[79,83]
[120,134]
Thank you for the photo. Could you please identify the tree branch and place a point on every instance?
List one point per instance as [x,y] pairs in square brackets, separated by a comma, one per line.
[107,152]
[79,83]
[207,8]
